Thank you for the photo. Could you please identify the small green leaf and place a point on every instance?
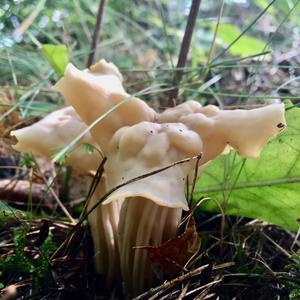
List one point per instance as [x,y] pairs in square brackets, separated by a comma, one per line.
[27,161]
[57,56]
[8,212]
[88,148]
[266,188]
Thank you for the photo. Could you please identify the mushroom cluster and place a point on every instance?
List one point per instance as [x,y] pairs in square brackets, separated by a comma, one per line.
[137,140]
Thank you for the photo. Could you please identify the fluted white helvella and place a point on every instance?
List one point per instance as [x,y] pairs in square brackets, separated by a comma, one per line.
[137,140]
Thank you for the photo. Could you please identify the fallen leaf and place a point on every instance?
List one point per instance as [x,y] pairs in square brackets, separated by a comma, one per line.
[170,258]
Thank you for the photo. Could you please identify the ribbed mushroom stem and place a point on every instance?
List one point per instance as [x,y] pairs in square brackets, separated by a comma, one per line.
[104,224]
[142,223]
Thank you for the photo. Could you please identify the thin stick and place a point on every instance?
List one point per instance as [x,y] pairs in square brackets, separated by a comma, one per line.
[212,45]
[194,179]
[185,46]
[277,245]
[96,33]
[95,182]
[208,285]
[166,285]
[60,204]
[183,291]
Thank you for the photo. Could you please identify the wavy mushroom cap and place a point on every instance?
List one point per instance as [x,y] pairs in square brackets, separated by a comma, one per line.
[96,90]
[246,131]
[145,147]
[55,131]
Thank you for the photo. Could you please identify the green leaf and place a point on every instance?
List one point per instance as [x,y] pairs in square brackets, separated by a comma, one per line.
[7,212]
[266,188]
[245,46]
[57,56]
[88,148]
[27,161]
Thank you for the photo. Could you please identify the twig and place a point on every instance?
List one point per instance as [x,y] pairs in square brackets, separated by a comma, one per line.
[60,204]
[21,29]
[192,210]
[282,250]
[194,180]
[296,239]
[96,33]
[185,46]
[94,184]
[162,288]
[208,285]
[52,192]
[166,285]
[183,291]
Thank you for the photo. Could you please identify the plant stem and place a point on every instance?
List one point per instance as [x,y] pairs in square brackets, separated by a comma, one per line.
[96,33]
[212,45]
[185,46]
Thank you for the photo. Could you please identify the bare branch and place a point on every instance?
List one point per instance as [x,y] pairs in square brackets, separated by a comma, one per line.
[185,46]
[96,33]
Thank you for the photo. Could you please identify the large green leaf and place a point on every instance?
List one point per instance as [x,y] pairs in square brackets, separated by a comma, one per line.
[245,46]
[267,188]
[57,56]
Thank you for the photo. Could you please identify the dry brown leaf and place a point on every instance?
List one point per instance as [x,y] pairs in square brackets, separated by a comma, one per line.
[171,257]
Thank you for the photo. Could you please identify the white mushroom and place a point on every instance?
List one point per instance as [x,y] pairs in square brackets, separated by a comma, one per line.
[136,140]
[54,132]
[145,147]
[246,131]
